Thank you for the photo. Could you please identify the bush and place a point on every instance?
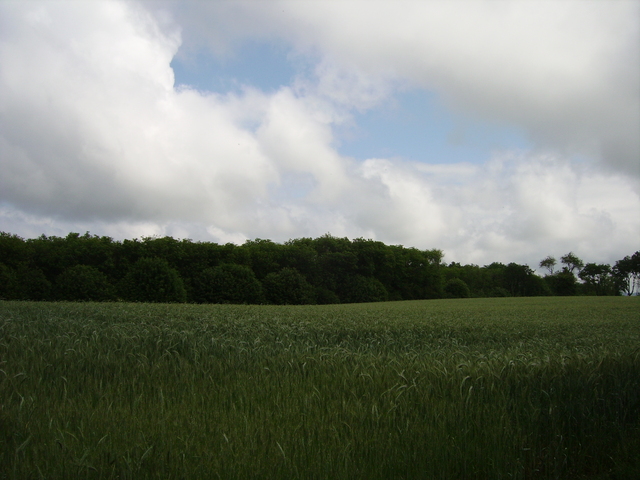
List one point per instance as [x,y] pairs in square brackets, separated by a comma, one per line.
[288,287]
[361,289]
[498,292]
[562,283]
[152,280]
[83,283]
[7,282]
[324,296]
[31,284]
[456,288]
[228,283]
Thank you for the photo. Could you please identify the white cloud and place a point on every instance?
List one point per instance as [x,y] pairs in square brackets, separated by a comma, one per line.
[298,139]
[567,72]
[94,136]
[94,128]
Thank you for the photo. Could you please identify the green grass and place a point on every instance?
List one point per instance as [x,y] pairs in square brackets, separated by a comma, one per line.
[518,388]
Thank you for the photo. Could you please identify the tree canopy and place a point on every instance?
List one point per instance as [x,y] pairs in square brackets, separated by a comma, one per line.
[326,269]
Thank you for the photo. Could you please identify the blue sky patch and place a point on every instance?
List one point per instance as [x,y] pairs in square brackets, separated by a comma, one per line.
[414,125]
[265,66]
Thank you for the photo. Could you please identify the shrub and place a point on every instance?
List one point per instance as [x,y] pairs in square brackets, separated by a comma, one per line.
[7,282]
[83,283]
[31,284]
[457,288]
[562,283]
[498,292]
[288,287]
[152,280]
[227,283]
[324,296]
[361,289]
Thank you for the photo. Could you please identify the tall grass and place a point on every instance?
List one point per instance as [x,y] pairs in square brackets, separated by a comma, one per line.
[489,388]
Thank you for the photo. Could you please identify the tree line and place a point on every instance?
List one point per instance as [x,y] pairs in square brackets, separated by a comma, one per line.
[323,270]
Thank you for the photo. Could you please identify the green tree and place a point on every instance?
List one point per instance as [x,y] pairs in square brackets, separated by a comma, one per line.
[334,268]
[227,283]
[83,283]
[360,289]
[263,256]
[456,288]
[598,279]
[627,274]
[31,284]
[152,280]
[324,296]
[7,283]
[562,283]
[549,263]
[572,262]
[299,254]
[417,273]
[288,287]
[13,250]
[520,280]
[484,281]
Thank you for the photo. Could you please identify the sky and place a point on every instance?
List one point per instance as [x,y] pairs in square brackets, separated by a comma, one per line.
[496,131]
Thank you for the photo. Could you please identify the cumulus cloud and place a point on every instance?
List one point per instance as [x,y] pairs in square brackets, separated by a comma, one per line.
[94,135]
[515,207]
[567,72]
[94,127]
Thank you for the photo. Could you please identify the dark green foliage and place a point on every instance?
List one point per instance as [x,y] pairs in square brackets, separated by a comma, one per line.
[572,262]
[299,254]
[7,283]
[520,281]
[83,283]
[416,274]
[478,279]
[263,256]
[334,268]
[456,288]
[627,274]
[54,255]
[598,280]
[324,296]
[337,269]
[288,287]
[152,280]
[562,283]
[13,250]
[498,280]
[549,263]
[364,289]
[31,284]
[228,283]
[496,292]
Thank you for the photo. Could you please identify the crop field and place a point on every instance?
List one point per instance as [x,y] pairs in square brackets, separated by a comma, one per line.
[518,388]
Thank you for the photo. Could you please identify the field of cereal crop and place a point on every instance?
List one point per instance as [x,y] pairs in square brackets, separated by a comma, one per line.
[513,388]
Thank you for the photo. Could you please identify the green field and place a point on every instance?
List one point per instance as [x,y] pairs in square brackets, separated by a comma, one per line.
[512,388]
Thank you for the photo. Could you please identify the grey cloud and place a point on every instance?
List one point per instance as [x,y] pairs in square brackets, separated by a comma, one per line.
[94,136]
[567,72]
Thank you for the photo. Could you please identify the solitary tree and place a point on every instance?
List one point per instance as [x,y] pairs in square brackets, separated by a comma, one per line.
[549,263]
[597,278]
[572,262]
[627,271]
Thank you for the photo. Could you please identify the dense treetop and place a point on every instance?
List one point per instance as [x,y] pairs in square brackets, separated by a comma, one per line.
[326,269]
